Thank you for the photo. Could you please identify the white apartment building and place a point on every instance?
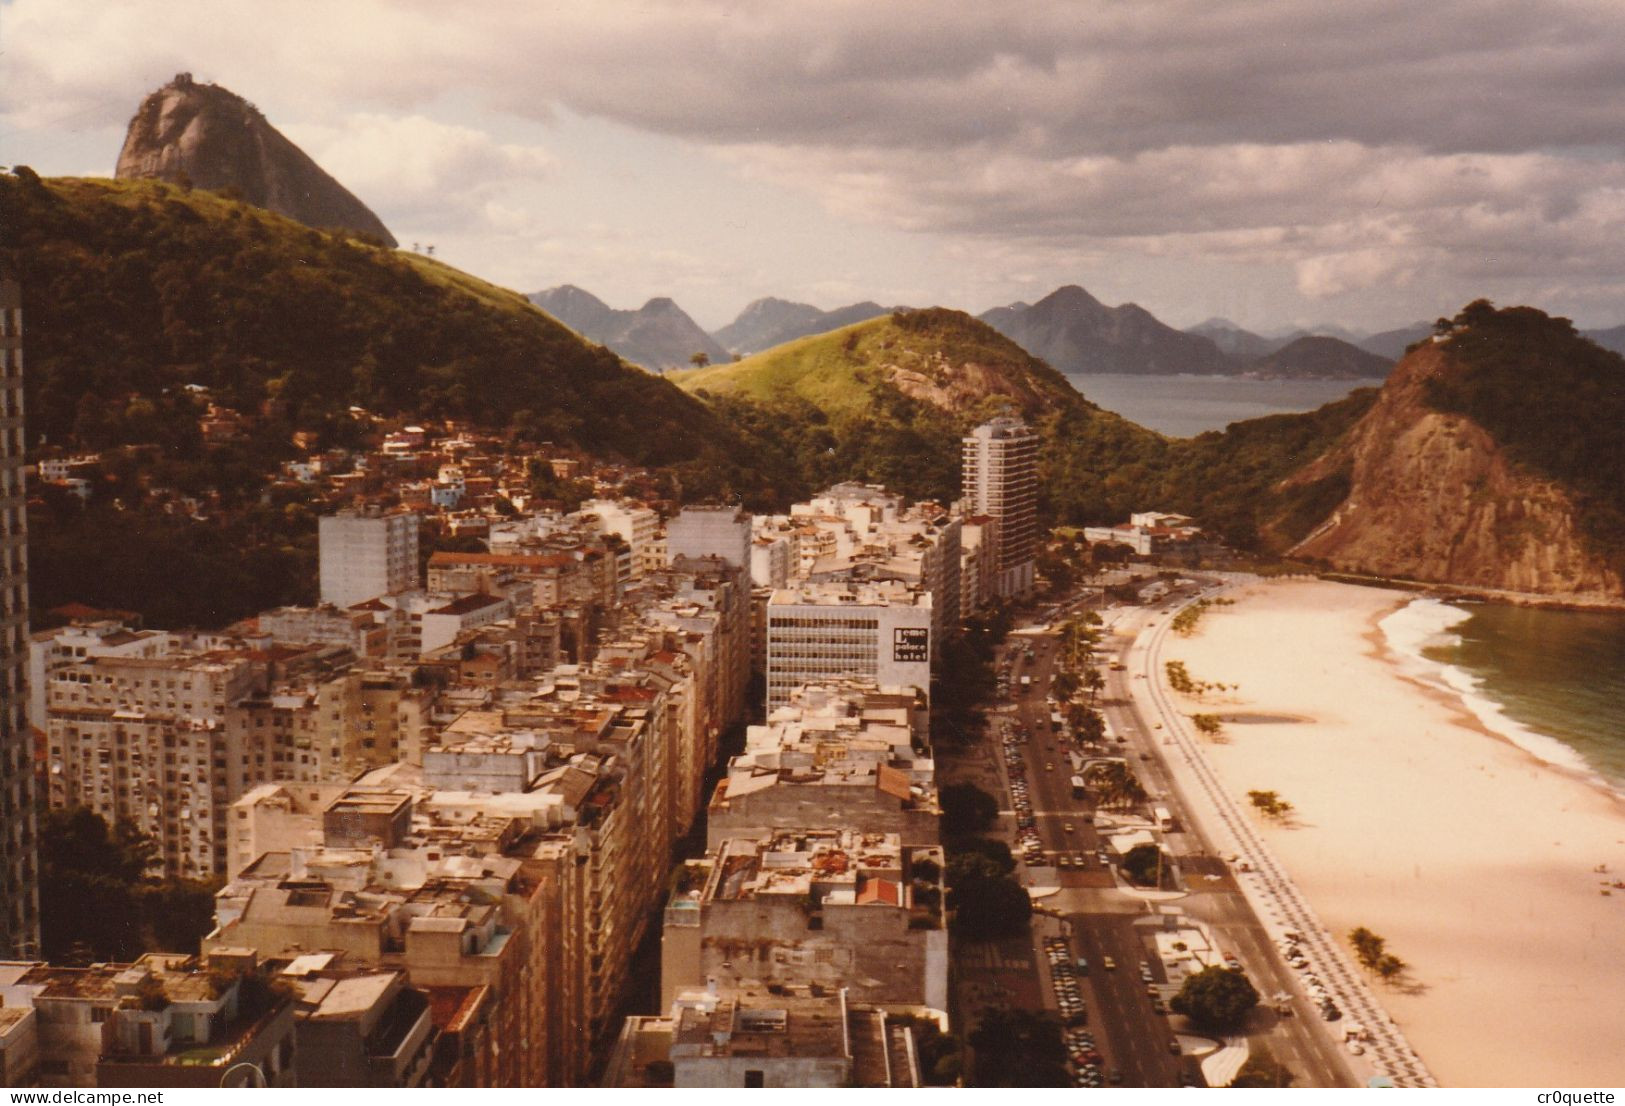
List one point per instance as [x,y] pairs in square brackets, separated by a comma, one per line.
[710,532]
[880,632]
[1001,481]
[145,739]
[365,554]
[637,526]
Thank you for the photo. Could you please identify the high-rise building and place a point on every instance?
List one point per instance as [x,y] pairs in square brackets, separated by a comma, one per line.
[1001,482]
[365,554]
[19,882]
[880,632]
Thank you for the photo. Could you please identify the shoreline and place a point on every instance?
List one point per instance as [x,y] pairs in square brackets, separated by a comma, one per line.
[1385,653]
[1475,859]
[1430,589]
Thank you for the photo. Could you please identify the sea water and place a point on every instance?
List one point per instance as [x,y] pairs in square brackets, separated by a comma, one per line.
[1552,682]
[1184,406]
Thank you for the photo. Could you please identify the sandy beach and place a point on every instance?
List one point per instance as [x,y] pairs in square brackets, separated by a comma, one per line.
[1475,860]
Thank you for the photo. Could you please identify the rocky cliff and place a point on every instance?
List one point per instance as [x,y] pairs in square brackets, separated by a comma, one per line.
[1433,495]
[214,139]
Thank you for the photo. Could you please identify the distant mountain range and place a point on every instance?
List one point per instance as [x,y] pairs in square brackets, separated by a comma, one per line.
[771,322]
[1612,339]
[1069,328]
[1076,333]
[659,335]
[205,136]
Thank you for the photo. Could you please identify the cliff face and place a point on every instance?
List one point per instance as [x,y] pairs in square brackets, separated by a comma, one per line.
[1433,497]
[216,139]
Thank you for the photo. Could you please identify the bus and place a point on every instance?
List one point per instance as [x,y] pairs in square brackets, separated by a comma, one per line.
[1165,820]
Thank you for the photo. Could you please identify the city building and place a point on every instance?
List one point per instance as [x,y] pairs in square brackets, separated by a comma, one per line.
[359,1028]
[834,907]
[1001,481]
[760,1035]
[710,532]
[850,752]
[19,888]
[166,1020]
[876,631]
[365,554]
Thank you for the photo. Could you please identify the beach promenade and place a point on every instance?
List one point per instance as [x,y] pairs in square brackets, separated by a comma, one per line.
[1275,899]
[1476,861]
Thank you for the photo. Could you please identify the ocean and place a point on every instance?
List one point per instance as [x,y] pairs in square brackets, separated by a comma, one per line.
[1184,406]
[1552,682]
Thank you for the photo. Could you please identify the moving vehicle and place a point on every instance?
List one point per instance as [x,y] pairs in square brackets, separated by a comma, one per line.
[1108,963]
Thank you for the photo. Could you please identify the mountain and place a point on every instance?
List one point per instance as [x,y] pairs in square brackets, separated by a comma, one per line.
[209,137]
[1324,330]
[1392,344]
[889,399]
[770,322]
[1077,333]
[659,335]
[1493,458]
[1317,357]
[136,289]
[1239,345]
[1613,338]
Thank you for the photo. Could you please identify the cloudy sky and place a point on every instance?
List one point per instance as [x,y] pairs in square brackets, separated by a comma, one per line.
[1365,162]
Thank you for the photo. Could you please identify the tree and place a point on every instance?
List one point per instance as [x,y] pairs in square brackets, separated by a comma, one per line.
[995,852]
[1143,864]
[966,809]
[1269,804]
[1390,967]
[700,359]
[1018,1048]
[1093,682]
[1206,724]
[100,898]
[1368,947]
[1216,999]
[990,908]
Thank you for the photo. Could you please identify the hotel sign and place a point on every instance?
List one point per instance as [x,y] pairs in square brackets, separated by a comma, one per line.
[911,644]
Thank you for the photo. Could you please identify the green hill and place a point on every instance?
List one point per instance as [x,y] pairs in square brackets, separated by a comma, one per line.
[888,400]
[134,289]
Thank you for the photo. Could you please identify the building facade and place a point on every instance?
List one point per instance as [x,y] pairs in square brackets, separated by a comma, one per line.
[1001,482]
[19,887]
[822,632]
[367,554]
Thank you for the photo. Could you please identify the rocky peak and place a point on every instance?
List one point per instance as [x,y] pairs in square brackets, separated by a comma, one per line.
[208,136]
[1433,496]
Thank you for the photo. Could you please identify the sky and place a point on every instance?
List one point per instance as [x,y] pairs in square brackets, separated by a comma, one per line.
[1367,163]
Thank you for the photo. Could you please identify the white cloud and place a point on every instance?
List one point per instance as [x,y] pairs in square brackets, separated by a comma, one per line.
[417,167]
[1370,145]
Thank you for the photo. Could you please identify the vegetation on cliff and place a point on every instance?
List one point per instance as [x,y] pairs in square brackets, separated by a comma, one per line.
[1553,401]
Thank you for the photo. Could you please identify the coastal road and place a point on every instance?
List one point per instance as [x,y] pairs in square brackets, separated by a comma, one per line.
[1133,1038]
